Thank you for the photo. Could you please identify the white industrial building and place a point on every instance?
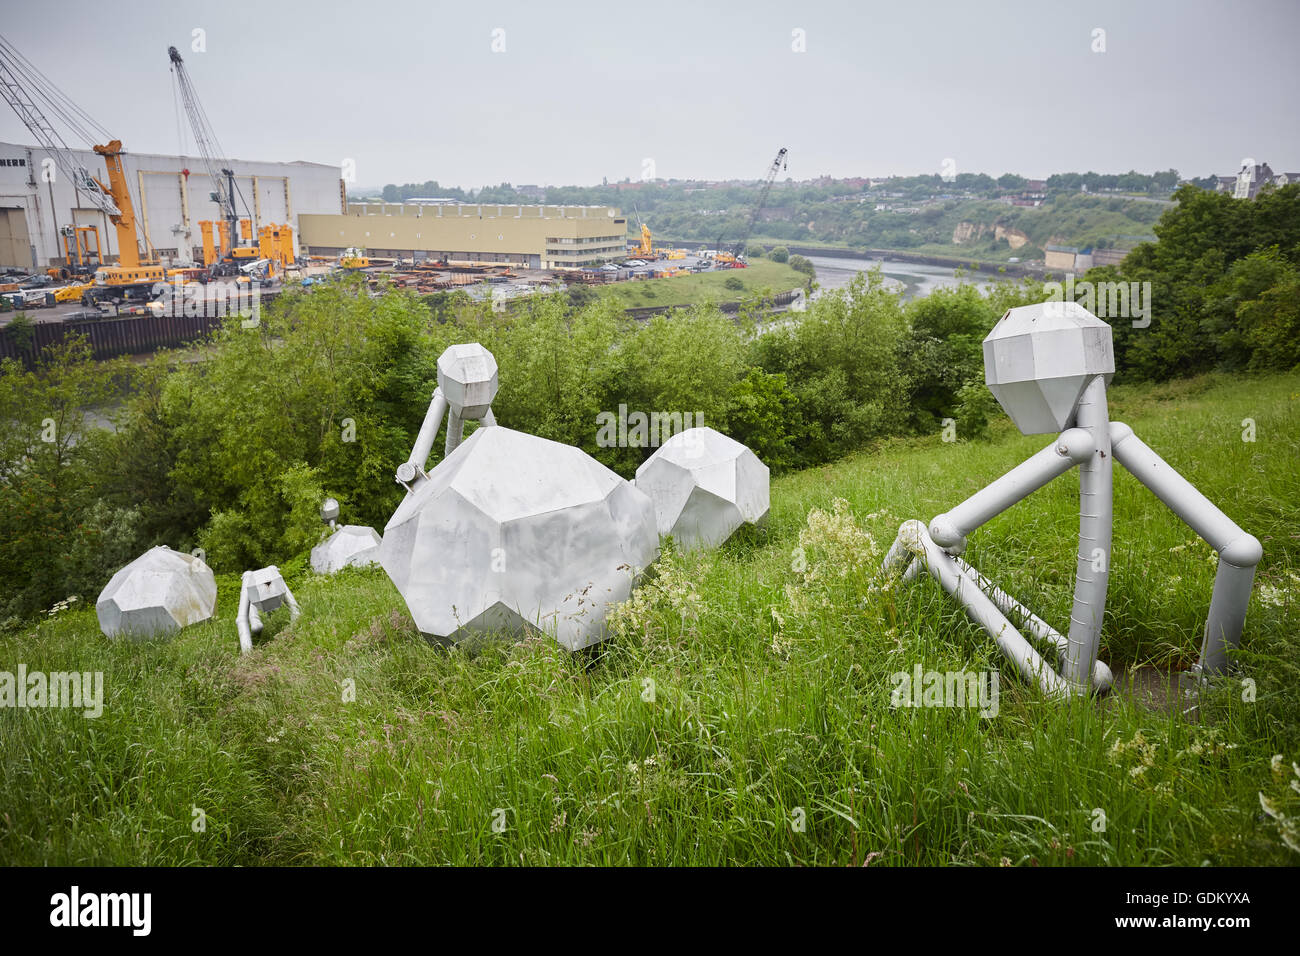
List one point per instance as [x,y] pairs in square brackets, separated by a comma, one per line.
[171,194]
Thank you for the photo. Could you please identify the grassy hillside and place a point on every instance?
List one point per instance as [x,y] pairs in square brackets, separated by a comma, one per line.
[761,275]
[1074,219]
[770,663]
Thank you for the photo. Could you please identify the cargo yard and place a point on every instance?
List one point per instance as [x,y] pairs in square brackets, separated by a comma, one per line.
[106,233]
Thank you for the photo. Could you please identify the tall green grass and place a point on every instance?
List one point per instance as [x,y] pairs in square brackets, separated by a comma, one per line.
[743,713]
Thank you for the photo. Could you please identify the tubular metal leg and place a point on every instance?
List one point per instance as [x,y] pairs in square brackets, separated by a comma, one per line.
[1239,552]
[1092,573]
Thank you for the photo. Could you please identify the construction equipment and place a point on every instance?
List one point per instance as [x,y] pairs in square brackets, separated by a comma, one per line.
[275,244]
[733,256]
[354,258]
[238,247]
[132,278]
[80,251]
[24,87]
[72,293]
[645,250]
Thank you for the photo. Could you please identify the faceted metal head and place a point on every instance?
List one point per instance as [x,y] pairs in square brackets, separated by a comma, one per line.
[514,531]
[266,588]
[352,545]
[158,593]
[467,375]
[329,510]
[1039,358]
[704,486]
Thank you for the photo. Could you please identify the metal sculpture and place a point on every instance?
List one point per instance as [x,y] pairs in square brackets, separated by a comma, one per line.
[704,486]
[158,593]
[261,592]
[515,531]
[467,383]
[351,546]
[1048,366]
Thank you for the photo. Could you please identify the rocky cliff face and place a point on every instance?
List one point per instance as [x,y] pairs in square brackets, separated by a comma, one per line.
[1014,237]
[971,231]
[966,231]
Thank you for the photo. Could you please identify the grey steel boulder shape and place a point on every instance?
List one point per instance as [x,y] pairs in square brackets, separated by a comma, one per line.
[704,486]
[352,545]
[513,531]
[158,593]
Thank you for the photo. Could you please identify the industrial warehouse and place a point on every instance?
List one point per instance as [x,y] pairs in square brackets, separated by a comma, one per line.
[529,237]
[172,195]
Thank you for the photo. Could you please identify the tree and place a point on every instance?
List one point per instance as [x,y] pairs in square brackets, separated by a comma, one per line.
[50,461]
[801,264]
[780,254]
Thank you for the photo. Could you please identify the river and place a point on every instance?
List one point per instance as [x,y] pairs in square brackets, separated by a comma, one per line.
[913,278]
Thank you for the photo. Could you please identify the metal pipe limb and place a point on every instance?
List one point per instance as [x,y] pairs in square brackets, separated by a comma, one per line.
[914,571]
[294,610]
[455,430]
[1092,570]
[1239,552]
[241,617]
[949,530]
[1040,629]
[982,610]
[412,471]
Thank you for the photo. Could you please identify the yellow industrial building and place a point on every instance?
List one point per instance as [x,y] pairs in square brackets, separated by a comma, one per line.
[530,237]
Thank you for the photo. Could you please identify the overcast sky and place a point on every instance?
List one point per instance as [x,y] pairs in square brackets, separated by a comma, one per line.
[411,91]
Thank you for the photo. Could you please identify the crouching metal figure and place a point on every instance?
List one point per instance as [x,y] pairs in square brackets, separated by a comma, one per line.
[1048,366]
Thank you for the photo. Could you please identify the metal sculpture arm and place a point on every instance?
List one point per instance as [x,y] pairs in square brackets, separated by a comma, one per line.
[467,383]
[247,621]
[949,530]
[411,472]
[915,540]
[1239,552]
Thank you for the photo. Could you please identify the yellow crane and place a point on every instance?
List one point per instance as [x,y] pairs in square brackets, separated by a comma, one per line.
[646,249]
[25,88]
[131,272]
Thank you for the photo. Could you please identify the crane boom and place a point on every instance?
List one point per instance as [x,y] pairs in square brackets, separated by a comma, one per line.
[17,79]
[128,256]
[205,141]
[25,88]
[777,164]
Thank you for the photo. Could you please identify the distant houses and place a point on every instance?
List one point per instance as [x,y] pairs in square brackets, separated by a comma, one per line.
[1251,178]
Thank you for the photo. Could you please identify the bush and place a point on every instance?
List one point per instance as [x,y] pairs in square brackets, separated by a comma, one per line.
[581,295]
[734,283]
[21,330]
[779,254]
[976,406]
